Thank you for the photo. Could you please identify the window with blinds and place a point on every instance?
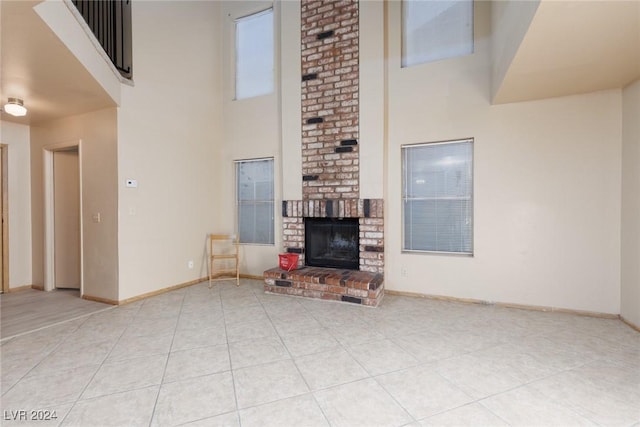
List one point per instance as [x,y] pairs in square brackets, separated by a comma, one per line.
[437,197]
[254,55]
[254,200]
[434,30]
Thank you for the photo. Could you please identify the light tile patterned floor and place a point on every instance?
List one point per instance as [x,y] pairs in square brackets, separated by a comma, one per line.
[232,356]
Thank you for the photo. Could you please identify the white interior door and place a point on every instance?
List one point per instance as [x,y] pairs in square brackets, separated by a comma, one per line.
[2,284]
[66,200]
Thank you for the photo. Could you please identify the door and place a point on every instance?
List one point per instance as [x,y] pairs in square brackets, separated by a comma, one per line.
[4,216]
[2,283]
[66,217]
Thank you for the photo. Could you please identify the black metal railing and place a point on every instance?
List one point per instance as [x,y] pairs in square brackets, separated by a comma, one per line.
[110,22]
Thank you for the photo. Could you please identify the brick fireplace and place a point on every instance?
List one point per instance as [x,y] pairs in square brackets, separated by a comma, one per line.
[330,161]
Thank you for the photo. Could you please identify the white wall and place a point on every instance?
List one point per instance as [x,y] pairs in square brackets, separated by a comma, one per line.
[630,280]
[372,100]
[169,131]
[251,129]
[546,184]
[291,99]
[96,134]
[17,136]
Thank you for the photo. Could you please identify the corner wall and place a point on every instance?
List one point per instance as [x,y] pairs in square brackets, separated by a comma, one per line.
[630,231]
[97,133]
[16,137]
[510,20]
[546,184]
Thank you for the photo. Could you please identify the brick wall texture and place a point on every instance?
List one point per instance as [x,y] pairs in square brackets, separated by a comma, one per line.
[330,137]
[330,163]
[371,226]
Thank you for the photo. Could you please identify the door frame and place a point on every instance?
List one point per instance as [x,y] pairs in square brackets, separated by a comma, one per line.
[5,217]
[49,228]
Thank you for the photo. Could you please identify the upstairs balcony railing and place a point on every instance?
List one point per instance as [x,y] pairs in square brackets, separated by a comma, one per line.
[110,22]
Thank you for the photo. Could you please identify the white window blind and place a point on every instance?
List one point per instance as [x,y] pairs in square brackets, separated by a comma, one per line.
[434,30]
[254,198]
[438,197]
[254,55]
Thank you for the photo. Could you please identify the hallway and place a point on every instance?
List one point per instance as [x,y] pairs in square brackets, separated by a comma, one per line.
[30,310]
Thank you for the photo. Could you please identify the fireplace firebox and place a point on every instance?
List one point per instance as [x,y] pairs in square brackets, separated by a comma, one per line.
[332,242]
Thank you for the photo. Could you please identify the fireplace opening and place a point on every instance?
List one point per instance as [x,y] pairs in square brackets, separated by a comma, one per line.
[332,242]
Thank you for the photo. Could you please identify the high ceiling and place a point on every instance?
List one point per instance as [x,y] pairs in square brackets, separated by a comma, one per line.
[575,47]
[38,68]
[570,47]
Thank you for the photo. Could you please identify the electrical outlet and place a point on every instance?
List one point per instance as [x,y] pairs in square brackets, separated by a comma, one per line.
[190,264]
[404,272]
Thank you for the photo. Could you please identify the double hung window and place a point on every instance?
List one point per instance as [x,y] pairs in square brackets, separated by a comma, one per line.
[437,199]
[254,201]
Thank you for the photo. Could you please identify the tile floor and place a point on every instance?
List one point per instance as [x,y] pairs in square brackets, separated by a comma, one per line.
[237,357]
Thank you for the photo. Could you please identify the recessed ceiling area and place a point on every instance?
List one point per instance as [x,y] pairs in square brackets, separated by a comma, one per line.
[574,47]
[38,68]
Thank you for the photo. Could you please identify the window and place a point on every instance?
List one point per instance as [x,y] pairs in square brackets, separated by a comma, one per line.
[437,197]
[434,30]
[254,55]
[254,199]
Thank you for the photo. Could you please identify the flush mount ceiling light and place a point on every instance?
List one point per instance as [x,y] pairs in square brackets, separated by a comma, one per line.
[15,107]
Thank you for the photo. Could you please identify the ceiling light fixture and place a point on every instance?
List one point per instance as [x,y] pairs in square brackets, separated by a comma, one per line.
[15,107]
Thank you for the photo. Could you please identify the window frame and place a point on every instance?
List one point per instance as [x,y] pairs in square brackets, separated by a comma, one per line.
[404,198]
[256,14]
[237,164]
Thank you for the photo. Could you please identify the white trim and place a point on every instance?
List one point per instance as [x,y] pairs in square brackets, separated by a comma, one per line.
[253,160]
[449,141]
[237,204]
[246,18]
[49,247]
[252,15]
[49,236]
[403,156]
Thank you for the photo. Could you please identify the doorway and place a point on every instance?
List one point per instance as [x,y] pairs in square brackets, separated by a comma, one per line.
[66,218]
[63,217]
[4,215]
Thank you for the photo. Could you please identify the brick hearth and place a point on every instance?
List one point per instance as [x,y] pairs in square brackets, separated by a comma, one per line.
[358,287]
